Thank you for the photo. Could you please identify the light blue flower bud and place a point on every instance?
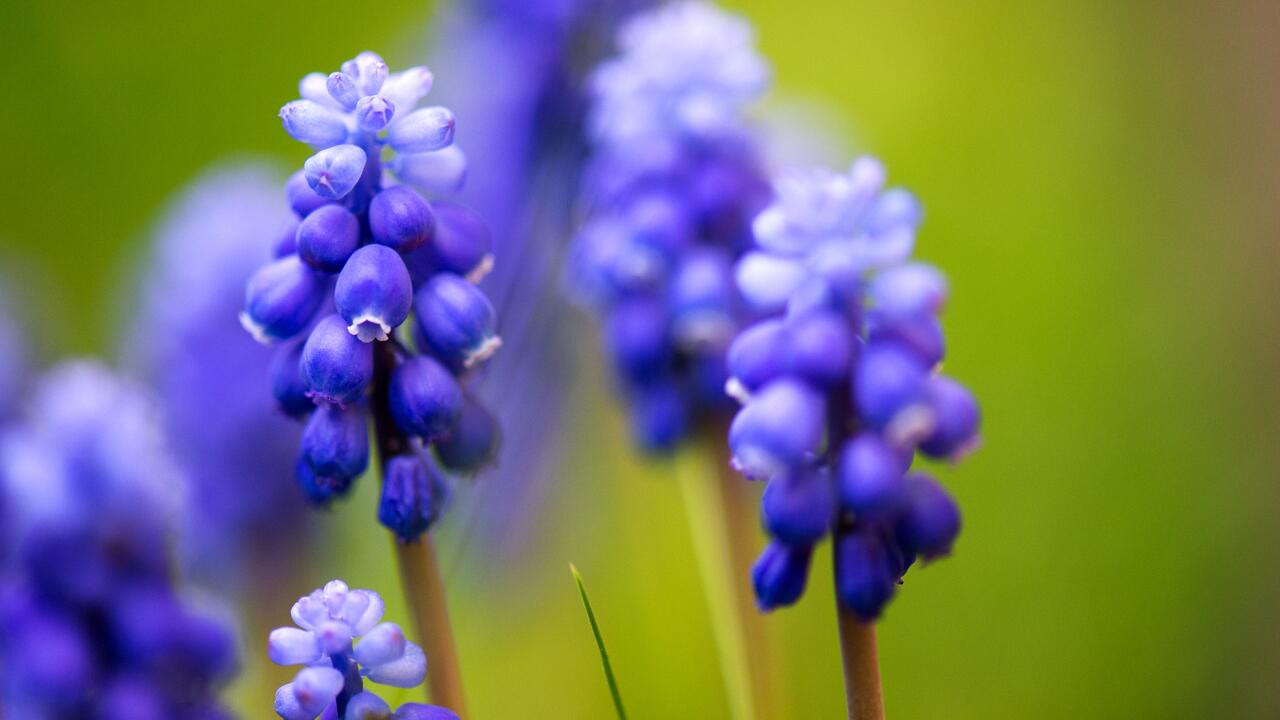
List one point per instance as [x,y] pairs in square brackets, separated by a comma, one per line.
[383,644]
[367,706]
[335,364]
[315,87]
[374,293]
[313,689]
[292,646]
[332,173]
[374,112]
[782,428]
[342,88]
[314,124]
[906,293]
[406,672]
[442,172]
[301,197]
[368,70]
[281,298]
[457,320]
[767,281]
[422,131]
[404,89]
[335,443]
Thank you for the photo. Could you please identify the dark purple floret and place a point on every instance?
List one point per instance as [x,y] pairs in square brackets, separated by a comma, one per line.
[400,219]
[327,237]
[410,496]
[426,400]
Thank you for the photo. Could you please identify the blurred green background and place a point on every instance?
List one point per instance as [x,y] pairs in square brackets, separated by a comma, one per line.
[1101,181]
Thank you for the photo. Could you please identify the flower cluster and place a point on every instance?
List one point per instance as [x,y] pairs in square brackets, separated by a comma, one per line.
[91,623]
[671,187]
[209,241]
[840,388]
[340,639]
[367,250]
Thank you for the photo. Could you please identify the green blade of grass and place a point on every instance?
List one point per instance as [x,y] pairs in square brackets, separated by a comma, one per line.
[604,654]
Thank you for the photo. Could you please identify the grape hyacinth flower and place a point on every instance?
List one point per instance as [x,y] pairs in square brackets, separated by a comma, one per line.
[233,444]
[840,388]
[342,641]
[92,623]
[671,187]
[365,254]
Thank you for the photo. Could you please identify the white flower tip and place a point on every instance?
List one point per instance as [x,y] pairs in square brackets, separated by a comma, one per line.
[369,328]
[734,388]
[482,352]
[481,270]
[255,329]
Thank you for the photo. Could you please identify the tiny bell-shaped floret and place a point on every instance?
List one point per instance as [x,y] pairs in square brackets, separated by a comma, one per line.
[870,475]
[820,347]
[301,197]
[327,237]
[781,428]
[756,356]
[779,576]
[342,88]
[637,338]
[335,442]
[374,112]
[931,520]
[799,506]
[954,418]
[281,299]
[409,502]
[659,416]
[319,489]
[865,577]
[457,320]
[400,219]
[889,377]
[287,385]
[425,398]
[374,293]
[309,694]
[473,442]
[368,70]
[367,706]
[462,242]
[314,124]
[333,172]
[335,364]
[441,172]
[422,131]
[907,292]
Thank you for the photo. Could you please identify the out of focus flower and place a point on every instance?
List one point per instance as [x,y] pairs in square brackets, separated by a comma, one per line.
[234,445]
[674,181]
[840,388]
[366,255]
[91,624]
[13,360]
[341,640]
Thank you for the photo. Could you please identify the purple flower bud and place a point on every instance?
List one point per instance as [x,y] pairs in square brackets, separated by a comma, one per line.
[309,693]
[474,441]
[301,197]
[457,320]
[318,489]
[406,672]
[374,112]
[281,299]
[407,87]
[292,646]
[327,237]
[779,576]
[425,398]
[400,219]
[703,300]
[315,87]
[368,70]
[461,244]
[374,293]
[409,504]
[336,441]
[923,336]
[314,124]
[799,506]
[865,577]
[931,521]
[422,131]
[757,355]
[367,706]
[342,88]
[636,333]
[659,220]
[442,172]
[659,416]
[955,418]
[895,208]
[381,645]
[333,172]
[871,476]
[287,385]
[780,429]
[335,364]
[820,348]
[907,292]
[767,281]
[888,378]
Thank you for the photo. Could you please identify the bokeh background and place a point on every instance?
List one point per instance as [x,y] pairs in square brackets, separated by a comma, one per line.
[1101,182]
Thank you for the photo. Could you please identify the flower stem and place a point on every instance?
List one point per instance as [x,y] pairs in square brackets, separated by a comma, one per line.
[419,569]
[861,666]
